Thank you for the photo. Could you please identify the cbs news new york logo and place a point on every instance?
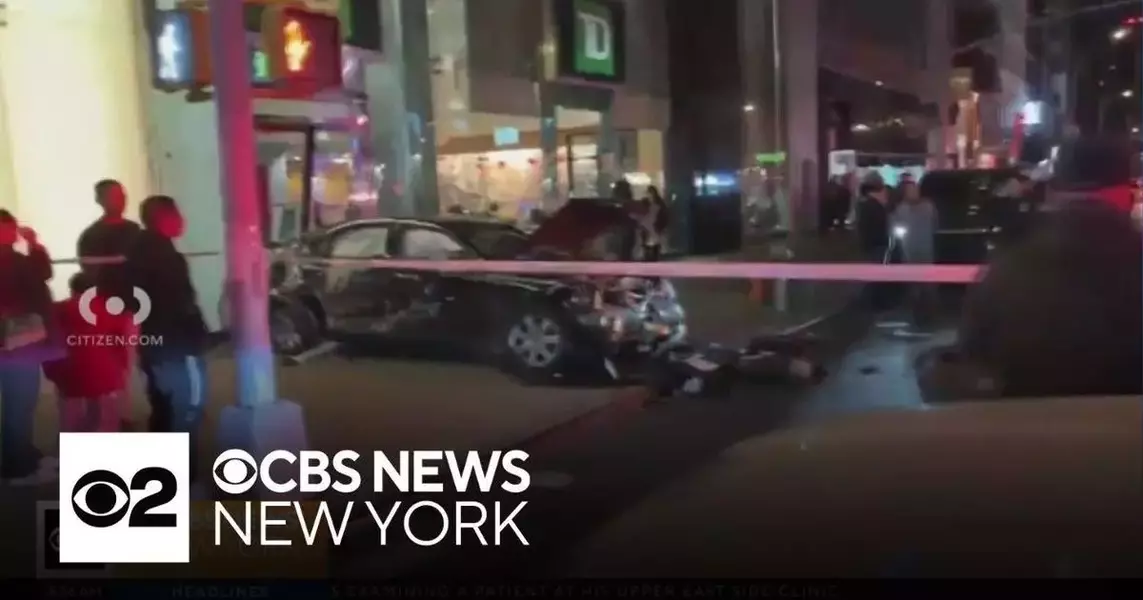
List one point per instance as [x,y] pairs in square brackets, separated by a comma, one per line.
[124,499]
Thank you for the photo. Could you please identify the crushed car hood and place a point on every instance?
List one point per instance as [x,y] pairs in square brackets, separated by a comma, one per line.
[579,222]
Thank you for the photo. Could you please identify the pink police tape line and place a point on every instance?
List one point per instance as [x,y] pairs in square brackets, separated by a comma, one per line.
[713,270]
[114,260]
[720,270]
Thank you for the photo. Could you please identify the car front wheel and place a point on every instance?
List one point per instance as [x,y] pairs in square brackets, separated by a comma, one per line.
[535,346]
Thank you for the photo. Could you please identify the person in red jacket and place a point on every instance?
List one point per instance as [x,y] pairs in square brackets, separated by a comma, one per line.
[93,378]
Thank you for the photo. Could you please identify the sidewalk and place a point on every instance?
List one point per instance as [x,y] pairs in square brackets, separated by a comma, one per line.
[379,404]
[735,316]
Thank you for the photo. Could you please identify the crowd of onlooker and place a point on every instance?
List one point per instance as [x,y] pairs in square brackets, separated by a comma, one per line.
[132,305]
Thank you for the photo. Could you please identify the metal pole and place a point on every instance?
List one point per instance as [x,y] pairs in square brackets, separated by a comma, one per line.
[247,277]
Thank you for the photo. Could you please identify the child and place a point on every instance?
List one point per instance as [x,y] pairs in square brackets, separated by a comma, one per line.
[92,378]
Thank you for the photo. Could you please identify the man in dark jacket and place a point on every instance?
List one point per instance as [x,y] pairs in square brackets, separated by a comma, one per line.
[1058,315]
[873,220]
[873,235]
[109,237]
[175,368]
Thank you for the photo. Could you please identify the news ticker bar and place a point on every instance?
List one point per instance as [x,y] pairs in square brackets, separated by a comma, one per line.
[633,589]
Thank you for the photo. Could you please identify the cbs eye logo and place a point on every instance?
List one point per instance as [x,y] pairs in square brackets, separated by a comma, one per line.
[235,472]
[102,499]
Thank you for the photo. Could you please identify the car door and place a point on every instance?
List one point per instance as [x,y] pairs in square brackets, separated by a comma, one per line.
[352,278]
[422,296]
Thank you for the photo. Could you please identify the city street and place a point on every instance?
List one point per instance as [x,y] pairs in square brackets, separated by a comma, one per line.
[378,403]
[611,472]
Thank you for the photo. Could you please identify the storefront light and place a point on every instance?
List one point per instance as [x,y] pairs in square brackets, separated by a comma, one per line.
[1032,112]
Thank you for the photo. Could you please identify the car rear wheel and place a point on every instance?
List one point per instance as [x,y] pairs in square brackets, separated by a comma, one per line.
[535,345]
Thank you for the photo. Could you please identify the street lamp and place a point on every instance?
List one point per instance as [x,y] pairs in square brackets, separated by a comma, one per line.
[1120,34]
[1127,93]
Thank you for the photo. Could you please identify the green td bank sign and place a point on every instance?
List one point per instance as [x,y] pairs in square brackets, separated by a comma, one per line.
[594,39]
[591,36]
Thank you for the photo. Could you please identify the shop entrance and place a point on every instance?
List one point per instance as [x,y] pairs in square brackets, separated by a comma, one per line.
[579,155]
[580,144]
[310,176]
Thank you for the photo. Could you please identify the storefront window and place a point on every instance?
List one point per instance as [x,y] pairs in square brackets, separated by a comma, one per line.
[487,164]
[641,159]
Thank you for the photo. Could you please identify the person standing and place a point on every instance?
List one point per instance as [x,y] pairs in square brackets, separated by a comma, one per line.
[109,237]
[655,220]
[836,203]
[915,226]
[873,234]
[624,197]
[174,365]
[29,338]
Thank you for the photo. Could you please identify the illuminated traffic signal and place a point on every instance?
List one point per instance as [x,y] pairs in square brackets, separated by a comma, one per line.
[180,49]
[172,50]
[303,49]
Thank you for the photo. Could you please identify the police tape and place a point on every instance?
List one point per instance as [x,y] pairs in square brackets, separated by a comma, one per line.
[900,273]
[859,272]
[115,260]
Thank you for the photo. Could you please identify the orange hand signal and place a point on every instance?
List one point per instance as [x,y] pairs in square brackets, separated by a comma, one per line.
[297,48]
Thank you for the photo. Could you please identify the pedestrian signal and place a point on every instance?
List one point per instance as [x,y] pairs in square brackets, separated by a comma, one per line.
[303,48]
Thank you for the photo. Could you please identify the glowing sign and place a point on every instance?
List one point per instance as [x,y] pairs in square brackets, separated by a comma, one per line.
[172,50]
[260,67]
[297,46]
[303,49]
[169,49]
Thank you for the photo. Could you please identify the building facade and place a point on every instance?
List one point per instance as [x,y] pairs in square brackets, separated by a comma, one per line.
[501,107]
[775,85]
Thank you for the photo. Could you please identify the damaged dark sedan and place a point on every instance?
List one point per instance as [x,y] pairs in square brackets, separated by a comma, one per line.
[334,286]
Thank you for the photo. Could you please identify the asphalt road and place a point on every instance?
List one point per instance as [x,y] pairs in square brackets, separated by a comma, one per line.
[584,484]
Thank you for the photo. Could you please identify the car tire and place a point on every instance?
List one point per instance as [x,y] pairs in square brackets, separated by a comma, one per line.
[294,329]
[534,345]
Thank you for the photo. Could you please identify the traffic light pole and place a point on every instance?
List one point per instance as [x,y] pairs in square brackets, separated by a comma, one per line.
[261,421]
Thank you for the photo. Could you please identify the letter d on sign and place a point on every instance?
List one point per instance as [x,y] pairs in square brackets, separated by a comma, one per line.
[594,37]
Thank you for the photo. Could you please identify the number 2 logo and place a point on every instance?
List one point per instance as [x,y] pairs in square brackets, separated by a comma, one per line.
[103,499]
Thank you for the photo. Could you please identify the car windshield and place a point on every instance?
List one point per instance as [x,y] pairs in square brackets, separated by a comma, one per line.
[491,240]
[959,186]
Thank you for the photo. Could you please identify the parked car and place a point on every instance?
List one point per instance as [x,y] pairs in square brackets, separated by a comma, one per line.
[335,285]
[978,211]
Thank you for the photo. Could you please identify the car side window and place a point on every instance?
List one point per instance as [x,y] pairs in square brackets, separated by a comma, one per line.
[364,242]
[429,244]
